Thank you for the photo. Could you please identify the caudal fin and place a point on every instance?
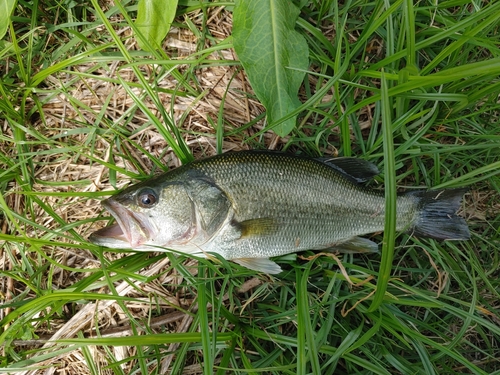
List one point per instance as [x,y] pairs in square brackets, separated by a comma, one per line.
[438,215]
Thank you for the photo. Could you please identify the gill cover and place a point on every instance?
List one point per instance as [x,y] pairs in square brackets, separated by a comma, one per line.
[210,204]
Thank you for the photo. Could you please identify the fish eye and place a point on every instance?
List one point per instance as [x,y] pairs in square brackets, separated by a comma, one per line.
[147,198]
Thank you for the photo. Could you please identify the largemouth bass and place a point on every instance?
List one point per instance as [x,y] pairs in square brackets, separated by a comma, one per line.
[250,206]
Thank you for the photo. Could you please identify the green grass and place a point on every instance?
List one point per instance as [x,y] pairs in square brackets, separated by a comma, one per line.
[411,86]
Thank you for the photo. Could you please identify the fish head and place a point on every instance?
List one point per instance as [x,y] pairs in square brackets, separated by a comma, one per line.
[154,215]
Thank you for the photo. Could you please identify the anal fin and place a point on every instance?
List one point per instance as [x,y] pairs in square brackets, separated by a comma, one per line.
[356,245]
[259,264]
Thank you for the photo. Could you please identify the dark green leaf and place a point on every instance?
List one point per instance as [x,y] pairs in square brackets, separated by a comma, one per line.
[154,18]
[272,53]
[6,8]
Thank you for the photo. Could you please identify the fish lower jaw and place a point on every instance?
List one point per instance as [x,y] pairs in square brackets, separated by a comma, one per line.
[137,239]
[186,249]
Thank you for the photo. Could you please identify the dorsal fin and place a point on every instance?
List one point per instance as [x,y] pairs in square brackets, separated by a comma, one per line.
[358,169]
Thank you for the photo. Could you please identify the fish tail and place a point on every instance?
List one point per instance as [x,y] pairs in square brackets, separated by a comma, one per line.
[437,217]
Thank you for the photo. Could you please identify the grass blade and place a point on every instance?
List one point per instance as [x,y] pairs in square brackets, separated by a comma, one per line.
[390,199]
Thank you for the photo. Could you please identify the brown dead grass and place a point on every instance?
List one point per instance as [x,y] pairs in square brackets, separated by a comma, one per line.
[85,98]
[222,85]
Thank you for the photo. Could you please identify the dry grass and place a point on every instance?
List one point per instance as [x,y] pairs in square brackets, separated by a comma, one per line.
[89,120]
[84,98]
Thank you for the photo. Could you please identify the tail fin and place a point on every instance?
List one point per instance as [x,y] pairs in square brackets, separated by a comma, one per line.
[437,216]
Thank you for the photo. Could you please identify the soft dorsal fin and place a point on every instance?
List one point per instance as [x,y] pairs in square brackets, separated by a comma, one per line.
[358,169]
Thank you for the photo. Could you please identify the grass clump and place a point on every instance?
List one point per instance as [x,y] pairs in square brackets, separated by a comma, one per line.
[85,111]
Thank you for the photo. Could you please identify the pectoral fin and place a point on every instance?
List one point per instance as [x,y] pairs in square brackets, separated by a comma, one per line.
[259,264]
[356,245]
[254,227]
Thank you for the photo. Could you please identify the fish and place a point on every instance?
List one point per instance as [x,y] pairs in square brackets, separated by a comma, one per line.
[250,206]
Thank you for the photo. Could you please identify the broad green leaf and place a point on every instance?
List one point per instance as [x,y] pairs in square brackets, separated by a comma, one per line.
[154,18]
[272,53]
[6,9]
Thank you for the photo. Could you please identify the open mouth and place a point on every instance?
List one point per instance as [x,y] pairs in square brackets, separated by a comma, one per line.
[130,231]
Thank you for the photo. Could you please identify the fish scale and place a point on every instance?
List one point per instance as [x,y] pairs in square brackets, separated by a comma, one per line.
[322,207]
[250,206]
